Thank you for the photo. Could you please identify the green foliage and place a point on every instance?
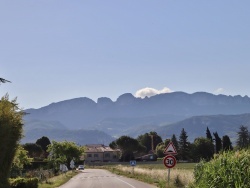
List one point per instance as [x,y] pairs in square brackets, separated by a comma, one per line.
[160,149]
[20,159]
[226,143]
[183,152]
[149,140]
[64,152]
[175,142]
[218,142]
[203,148]
[229,169]
[128,146]
[24,183]
[243,139]
[33,149]
[208,134]
[44,142]
[10,134]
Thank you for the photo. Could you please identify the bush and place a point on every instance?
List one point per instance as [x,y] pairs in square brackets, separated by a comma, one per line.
[229,169]
[24,183]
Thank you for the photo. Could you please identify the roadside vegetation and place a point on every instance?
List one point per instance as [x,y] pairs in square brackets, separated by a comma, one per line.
[56,181]
[229,169]
[156,173]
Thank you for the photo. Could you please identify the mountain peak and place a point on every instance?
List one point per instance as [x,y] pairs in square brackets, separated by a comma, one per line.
[126,98]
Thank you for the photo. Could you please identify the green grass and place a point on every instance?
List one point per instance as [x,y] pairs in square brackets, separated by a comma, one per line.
[154,165]
[154,173]
[186,166]
[57,180]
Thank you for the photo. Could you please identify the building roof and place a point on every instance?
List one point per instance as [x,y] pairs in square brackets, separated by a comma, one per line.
[98,148]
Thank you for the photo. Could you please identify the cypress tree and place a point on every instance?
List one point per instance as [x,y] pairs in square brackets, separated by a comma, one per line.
[183,145]
[209,136]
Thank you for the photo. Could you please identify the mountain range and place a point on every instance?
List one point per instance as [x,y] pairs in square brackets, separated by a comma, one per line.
[166,114]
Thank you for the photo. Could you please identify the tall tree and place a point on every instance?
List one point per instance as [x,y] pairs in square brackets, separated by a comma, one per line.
[21,158]
[160,149]
[243,137]
[11,126]
[128,147]
[209,136]
[218,142]
[149,140]
[44,142]
[64,152]
[183,145]
[226,143]
[175,142]
[34,150]
[203,149]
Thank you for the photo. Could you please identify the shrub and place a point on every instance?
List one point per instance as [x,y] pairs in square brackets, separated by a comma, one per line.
[24,183]
[229,169]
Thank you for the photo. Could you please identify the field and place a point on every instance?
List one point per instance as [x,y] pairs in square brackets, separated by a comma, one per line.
[155,173]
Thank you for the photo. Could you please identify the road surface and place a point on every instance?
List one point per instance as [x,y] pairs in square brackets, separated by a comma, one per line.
[97,178]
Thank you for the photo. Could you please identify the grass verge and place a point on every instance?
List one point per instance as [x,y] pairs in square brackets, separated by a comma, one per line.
[178,177]
[56,181]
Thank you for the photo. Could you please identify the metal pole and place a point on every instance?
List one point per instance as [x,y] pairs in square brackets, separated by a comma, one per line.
[168,176]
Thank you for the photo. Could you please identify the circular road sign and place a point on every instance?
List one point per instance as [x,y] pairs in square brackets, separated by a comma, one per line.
[169,161]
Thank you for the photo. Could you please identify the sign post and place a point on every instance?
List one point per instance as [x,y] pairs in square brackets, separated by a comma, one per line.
[169,160]
[72,165]
[133,164]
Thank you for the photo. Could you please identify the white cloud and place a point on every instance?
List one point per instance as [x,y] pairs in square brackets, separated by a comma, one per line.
[148,92]
[219,91]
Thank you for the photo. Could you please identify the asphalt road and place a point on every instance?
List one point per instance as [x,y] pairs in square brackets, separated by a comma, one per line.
[97,178]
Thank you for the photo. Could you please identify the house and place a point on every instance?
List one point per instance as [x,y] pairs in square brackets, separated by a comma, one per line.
[101,153]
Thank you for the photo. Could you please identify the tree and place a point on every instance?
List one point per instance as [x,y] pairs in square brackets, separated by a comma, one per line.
[11,126]
[175,142]
[209,136]
[226,143]
[64,152]
[128,146]
[149,140]
[44,142]
[243,137]
[203,149]
[183,145]
[218,143]
[160,149]
[21,158]
[34,150]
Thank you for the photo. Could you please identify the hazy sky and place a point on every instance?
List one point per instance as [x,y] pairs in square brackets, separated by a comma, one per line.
[53,50]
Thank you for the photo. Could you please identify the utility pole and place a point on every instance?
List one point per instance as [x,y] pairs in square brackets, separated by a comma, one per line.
[152,142]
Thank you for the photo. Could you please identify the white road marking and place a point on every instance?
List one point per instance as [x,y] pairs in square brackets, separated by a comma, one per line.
[126,183]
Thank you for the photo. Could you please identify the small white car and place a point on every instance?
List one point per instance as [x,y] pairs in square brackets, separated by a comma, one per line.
[80,167]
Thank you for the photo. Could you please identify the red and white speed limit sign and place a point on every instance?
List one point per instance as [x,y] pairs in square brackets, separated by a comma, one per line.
[169,161]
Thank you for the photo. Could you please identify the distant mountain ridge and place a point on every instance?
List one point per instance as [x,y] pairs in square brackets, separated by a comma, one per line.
[130,115]
[196,126]
[84,112]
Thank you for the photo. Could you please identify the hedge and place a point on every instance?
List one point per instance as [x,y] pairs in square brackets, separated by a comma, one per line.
[24,183]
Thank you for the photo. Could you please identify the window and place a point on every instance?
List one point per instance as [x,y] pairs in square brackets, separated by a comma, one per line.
[89,155]
[95,155]
[114,156]
[107,155]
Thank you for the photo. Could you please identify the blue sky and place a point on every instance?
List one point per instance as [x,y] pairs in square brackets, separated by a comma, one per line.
[53,50]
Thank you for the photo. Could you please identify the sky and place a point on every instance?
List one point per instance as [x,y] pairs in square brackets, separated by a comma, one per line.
[55,50]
